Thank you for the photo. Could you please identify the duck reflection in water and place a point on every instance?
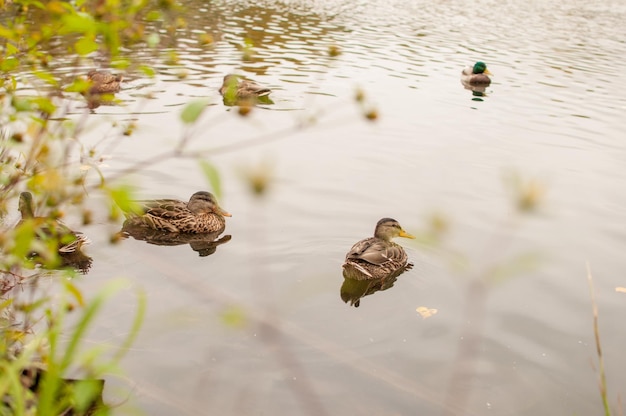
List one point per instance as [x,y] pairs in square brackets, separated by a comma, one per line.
[204,243]
[170,222]
[374,263]
[68,241]
[353,289]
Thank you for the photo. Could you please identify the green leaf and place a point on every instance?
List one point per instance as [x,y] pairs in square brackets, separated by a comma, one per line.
[76,293]
[45,105]
[153,40]
[9,64]
[213,176]
[79,84]
[86,393]
[85,46]
[154,15]
[147,71]
[7,33]
[123,198]
[78,23]
[193,110]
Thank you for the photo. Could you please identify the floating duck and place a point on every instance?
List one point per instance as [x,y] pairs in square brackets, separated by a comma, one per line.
[201,214]
[476,75]
[103,82]
[69,241]
[378,257]
[236,88]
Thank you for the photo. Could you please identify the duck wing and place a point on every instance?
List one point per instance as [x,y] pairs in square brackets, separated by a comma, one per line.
[161,214]
[376,251]
[165,208]
[251,88]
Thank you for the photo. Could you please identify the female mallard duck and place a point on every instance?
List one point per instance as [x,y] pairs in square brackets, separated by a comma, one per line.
[69,241]
[378,257]
[239,88]
[476,75]
[103,82]
[201,214]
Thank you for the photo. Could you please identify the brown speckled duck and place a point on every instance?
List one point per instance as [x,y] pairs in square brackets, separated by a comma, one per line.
[68,241]
[476,75]
[235,87]
[201,214]
[103,82]
[377,257]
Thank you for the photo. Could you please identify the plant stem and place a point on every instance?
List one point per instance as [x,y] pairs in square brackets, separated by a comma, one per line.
[596,330]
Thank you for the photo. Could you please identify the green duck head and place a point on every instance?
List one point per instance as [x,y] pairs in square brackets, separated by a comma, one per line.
[480,68]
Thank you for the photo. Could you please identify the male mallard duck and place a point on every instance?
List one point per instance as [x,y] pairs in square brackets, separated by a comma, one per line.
[242,89]
[69,241]
[103,82]
[377,257]
[201,214]
[476,75]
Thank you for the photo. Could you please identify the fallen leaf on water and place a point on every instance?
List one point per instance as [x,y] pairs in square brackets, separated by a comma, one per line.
[426,312]
[620,289]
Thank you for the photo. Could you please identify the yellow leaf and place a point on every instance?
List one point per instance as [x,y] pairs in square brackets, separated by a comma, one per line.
[620,289]
[426,312]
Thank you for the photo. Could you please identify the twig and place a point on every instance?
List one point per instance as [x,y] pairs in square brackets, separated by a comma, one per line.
[596,331]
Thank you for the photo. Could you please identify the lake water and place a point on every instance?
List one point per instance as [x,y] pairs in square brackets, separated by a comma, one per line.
[554,114]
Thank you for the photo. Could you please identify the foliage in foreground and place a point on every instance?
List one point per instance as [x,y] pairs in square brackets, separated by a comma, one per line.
[43,326]
[37,356]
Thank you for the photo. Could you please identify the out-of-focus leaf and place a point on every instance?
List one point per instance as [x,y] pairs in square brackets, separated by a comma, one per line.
[78,23]
[153,40]
[33,306]
[154,15]
[22,239]
[74,291]
[193,110]
[78,85]
[22,104]
[9,64]
[213,176]
[45,105]
[57,7]
[258,177]
[11,49]
[7,33]
[48,181]
[86,45]
[148,71]
[234,317]
[620,289]
[86,393]
[122,196]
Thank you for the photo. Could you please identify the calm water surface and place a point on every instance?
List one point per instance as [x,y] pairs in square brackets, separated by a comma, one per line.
[554,112]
